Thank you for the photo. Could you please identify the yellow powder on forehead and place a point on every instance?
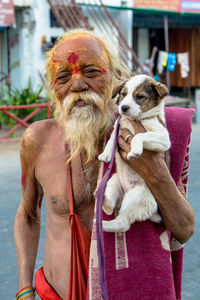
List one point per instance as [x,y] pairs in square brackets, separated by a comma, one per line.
[108,51]
[79,43]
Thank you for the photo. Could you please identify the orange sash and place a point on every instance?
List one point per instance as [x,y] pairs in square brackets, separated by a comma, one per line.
[80,247]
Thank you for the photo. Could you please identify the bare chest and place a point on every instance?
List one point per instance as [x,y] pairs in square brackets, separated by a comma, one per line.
[51,173]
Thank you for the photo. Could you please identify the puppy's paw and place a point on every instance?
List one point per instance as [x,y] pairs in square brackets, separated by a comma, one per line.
[134,153]
[108,206]
[156,218]
[108,209]
[115,226]
[130,156]
[105,157]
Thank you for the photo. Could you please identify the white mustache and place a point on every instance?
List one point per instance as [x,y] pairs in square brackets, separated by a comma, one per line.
[90,98]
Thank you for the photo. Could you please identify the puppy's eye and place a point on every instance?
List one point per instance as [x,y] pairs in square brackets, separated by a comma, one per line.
[123,94]
[140,97]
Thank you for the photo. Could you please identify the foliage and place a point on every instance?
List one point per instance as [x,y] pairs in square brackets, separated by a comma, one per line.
[25,96]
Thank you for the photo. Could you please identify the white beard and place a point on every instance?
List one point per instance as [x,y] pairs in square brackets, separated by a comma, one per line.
[85,126]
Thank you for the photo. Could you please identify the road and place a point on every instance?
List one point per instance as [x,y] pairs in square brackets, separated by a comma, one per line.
[9,201]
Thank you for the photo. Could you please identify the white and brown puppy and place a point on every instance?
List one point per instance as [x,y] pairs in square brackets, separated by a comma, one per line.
[142,100]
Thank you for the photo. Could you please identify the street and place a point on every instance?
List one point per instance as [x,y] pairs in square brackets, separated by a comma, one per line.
[9,201]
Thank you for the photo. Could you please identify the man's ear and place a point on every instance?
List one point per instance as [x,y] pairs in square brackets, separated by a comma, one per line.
[117,89]
[161,89]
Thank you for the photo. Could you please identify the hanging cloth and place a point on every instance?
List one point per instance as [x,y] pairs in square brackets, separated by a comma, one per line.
[171,63]
[164,58]
[159,63]
[80,247]
[183,60]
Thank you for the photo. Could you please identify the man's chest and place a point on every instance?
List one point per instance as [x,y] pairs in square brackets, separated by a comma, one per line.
[51,173]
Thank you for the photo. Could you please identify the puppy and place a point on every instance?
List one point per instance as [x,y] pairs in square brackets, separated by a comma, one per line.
[141,99]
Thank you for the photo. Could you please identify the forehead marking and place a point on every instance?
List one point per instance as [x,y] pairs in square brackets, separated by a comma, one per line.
[73,58]
[75,70]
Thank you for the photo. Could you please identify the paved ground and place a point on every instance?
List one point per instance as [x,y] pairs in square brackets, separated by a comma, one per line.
[9,201]
[191,274]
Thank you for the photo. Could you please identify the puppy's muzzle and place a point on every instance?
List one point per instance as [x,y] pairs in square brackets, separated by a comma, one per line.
[124,108]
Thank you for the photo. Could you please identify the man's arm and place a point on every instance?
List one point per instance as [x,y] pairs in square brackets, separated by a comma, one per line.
[176,212]
[27,221]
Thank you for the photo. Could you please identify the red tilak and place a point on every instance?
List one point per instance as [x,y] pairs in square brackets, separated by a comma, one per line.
[54,82]
[72,58]
[23,179]
[103,71]
[75,70]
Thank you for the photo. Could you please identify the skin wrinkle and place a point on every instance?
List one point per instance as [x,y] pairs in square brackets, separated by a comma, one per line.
[73,59]
[61,58]
[82,79]
[98,60]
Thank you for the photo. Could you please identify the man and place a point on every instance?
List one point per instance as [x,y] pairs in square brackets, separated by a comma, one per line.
[83,72]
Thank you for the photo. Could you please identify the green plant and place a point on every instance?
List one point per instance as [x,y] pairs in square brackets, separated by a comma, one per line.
[25,96]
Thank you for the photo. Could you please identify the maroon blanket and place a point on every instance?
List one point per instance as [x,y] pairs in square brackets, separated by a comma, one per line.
[145,263]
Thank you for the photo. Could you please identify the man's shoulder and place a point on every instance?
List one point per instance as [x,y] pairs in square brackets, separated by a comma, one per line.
[36,135]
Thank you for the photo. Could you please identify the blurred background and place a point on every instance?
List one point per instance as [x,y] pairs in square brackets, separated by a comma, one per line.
[157,37]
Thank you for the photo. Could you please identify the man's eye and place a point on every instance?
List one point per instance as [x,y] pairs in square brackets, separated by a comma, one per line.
[63,78]
[92,72]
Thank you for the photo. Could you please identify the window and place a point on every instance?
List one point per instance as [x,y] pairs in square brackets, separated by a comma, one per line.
[53,21]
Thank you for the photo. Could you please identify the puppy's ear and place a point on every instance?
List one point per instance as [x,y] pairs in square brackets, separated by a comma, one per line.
[117,89]
[161,89]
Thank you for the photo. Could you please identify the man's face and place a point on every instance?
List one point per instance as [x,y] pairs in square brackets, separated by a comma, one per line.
[83,89]
[80,64]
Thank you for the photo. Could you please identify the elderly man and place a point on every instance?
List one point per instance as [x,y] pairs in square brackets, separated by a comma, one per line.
[83,72]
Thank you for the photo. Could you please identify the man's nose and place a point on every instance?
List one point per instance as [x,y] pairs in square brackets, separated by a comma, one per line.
[78,85]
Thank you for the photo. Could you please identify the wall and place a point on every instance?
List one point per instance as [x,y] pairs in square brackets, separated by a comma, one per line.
[22,3]
[42,27]
[27,58]
[3,51]
[143,44]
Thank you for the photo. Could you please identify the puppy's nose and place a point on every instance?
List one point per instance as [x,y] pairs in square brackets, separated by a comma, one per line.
[124,108]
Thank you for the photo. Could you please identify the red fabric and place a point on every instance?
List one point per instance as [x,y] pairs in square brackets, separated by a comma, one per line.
[44,290]
[80,247]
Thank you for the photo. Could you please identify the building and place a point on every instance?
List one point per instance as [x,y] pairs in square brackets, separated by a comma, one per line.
[36,28]
[172,26]
[139,26]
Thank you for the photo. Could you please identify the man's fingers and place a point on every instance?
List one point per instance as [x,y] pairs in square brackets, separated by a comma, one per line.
[123,154]
[123,145]
[126,135]
[138,127]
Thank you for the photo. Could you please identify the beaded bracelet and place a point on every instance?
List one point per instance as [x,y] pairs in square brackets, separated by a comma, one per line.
[25,292]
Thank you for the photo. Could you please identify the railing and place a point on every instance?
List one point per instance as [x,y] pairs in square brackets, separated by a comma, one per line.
[38,108]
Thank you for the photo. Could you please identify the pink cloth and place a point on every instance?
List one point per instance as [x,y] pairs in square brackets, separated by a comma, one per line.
[146,262]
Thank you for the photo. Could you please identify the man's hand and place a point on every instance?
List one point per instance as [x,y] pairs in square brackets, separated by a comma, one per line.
[150,165]
[176,212]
